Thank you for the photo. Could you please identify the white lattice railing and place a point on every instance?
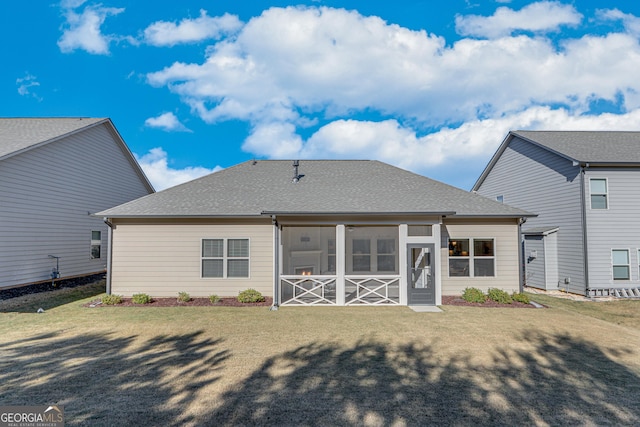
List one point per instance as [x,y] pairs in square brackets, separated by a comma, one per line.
[367,290]
[308,290]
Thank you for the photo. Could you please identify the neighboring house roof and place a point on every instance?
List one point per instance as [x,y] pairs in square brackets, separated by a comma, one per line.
[588,146]
[325,187]
[597,148]
[18,135]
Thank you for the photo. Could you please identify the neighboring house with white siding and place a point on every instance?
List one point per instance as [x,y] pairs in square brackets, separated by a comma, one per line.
[585,188]
[54,174]
[321,232]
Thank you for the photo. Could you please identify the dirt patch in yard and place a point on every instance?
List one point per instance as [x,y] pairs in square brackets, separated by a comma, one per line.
[457,300]
[195,302]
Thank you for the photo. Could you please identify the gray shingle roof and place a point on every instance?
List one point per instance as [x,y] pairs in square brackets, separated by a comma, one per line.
[326,187]
[17,134]
[589,146]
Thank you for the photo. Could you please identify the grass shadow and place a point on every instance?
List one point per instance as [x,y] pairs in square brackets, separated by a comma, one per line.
[560,381]
[111,381]
[50,299]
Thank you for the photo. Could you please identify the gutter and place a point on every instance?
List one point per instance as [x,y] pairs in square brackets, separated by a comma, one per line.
[337,213]
[109,252]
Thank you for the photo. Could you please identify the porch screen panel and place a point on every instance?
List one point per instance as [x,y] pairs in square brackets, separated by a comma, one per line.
[371,250]
[309,250]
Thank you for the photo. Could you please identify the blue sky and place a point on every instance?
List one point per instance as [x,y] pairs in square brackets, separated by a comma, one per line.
[433,87]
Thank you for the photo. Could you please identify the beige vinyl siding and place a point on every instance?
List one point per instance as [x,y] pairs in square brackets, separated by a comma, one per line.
[505,235]
[162,258]
[46,197]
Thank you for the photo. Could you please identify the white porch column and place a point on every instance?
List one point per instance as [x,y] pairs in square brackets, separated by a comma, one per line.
[403,231]
[435,229]
[340,264]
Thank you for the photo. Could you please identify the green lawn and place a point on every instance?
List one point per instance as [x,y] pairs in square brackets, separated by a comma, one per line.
[573,363]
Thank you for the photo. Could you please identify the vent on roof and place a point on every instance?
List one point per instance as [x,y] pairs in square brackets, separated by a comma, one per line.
[296,173]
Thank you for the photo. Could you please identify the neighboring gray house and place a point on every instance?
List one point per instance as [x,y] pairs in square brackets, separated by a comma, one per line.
[324,232]
[585,188]
[54,174]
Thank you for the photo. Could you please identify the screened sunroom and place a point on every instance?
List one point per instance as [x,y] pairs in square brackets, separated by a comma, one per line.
[346,264]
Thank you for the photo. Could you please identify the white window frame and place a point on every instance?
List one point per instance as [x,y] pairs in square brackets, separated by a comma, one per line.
[225,258]
[475,257]
[471,257]
[605,194]
[94,243]
[628,264]
[500,198]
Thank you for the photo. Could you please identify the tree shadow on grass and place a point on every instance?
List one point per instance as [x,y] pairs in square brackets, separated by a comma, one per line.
[30,303]
[559,381]
[105,380]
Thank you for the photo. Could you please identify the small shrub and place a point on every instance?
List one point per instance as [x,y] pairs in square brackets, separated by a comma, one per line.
[214,298]
[250,295]
[141,299]
[499,296]
[111,299]
[184,297]
[474,295]
[521,297]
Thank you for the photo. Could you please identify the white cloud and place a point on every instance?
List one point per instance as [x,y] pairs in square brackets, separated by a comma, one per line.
[335,62]
[156,166]
[631,23]
[291,66]
[83,30]
[163,33]
[537,17]
[274,140]
[27,84]
[390,142]
[167,122]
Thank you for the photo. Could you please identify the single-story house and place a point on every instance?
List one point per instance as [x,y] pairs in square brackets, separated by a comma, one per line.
[54,174]
[315,232]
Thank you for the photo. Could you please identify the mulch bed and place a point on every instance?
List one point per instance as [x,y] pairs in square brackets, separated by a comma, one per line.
[195,302]
[233,302]
[457,300]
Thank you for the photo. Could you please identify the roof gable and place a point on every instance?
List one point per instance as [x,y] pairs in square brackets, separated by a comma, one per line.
[588,146]
[20,134]
[324,187]
[610,148]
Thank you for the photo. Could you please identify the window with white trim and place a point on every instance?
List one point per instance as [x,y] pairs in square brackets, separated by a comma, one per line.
[472,258]
[225,258]
[372,250]
[598,191]
[96,244]
[620,264]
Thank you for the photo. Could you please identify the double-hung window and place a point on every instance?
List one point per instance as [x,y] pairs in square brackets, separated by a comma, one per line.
[472,258]
[598,191]
[620,264]
[484,260]
[371,250]
[96,244]
[225,258]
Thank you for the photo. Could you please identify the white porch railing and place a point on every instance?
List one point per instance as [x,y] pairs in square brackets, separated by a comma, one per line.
[308,290]
[367,290]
